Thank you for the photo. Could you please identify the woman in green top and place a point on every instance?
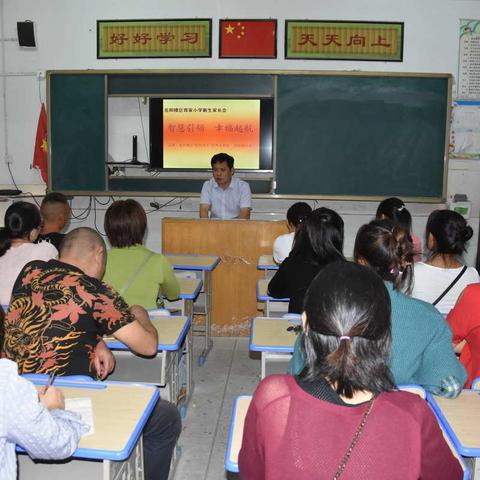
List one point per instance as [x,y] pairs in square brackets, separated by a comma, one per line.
[137,273]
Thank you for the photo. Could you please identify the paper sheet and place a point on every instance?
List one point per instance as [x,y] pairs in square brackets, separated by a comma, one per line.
[82,406]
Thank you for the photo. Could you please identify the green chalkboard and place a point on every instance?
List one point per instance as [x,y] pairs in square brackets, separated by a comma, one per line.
[77,132]
[366,136]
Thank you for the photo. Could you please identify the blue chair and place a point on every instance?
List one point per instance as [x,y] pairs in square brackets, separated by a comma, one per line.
[476,384]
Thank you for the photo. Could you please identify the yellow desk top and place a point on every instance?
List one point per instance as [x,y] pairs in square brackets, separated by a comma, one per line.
[117,409]
[192,260]
[188,286]
[262,287]
[168,328]
[463,416]
[272,332]
[266,260]
[237,434]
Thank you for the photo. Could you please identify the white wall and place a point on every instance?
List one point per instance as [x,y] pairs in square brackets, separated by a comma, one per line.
[66,39]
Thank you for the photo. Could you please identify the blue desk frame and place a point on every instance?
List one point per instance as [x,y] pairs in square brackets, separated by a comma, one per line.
[207,272]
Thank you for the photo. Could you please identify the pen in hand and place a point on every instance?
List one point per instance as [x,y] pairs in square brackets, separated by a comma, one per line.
[52,397]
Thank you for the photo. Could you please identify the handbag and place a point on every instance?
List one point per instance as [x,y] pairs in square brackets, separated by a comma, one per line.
[356,437]
[135,274]
[455,280]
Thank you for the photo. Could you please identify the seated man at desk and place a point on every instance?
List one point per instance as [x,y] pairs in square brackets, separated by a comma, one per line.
[224,195]
[58,311]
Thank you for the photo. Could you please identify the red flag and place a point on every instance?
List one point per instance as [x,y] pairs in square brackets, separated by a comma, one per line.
[40,152]
[248,39]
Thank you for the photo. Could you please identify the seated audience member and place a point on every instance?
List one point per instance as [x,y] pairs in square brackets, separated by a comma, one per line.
[283,244]
[422,351]
[55,211]
[137,273]
[35,421]
[319,241]
[60,309]
[395,210]
[341,417]
[22,226]
[442,278]
[224,195]
[464,320]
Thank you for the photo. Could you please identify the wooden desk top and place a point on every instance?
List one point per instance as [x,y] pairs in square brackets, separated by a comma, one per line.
[461,418]
[171,332]
[193,262]
[268,334]
[262,295]
[189,287]
[266,262]
[120,412]
[236,432]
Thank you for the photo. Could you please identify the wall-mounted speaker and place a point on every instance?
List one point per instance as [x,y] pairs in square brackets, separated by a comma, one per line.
[26,36]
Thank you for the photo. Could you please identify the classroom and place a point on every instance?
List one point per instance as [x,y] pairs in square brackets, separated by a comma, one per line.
[96,108]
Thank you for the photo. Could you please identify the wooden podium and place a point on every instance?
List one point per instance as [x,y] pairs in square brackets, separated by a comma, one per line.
[238,243]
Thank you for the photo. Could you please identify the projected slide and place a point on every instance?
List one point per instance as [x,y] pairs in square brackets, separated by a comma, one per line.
[195,129]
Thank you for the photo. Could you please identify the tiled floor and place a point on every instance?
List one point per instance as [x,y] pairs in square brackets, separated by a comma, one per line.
[229,370]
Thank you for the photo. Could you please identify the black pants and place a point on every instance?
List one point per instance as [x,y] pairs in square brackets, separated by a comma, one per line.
[159,437]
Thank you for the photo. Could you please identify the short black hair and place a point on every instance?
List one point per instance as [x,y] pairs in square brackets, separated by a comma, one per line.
[346,299]
[298,212]
[55,197]
[125,223]
[450,231]
[223,157]
[388,249]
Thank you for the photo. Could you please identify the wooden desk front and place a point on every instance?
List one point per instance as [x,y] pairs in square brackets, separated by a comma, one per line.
[239,243]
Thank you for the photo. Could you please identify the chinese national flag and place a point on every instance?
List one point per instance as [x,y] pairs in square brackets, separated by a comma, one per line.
[248,38]
[40,152]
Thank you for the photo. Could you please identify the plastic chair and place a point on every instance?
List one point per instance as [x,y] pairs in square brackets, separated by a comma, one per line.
[476,384]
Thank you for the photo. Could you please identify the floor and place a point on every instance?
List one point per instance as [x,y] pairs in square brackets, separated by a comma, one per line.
[229,370]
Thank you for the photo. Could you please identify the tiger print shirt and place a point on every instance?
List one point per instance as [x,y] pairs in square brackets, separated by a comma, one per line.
[56,316]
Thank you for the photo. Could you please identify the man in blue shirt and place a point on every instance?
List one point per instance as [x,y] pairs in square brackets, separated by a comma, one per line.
[224,195]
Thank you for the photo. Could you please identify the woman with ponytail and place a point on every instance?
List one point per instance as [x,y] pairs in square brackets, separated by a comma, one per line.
[22,226]
[422,351]
[318,242]
[341,416]
[442,278]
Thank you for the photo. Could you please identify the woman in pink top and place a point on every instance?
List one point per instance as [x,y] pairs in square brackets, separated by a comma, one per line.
[22,226]
[395,210]
[341,415]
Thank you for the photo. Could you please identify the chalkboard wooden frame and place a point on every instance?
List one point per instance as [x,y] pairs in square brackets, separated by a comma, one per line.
[70,186]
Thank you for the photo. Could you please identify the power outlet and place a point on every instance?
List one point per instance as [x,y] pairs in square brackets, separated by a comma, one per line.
[9,159]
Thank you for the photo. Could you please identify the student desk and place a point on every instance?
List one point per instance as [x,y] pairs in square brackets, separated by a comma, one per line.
[240,408]
[272,305]
[205,264]
[270,336]
[189,291]
[114,451]
[235,436]
[267,264]
[461,419]
[161,370]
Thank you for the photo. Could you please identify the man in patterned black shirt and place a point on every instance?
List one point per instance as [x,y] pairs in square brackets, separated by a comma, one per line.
[58,313]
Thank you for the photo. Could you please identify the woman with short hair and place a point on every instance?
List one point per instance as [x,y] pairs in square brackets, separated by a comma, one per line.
[137,273]
[341,416]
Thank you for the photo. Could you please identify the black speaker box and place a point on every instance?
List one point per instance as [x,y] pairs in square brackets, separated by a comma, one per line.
[26,36]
